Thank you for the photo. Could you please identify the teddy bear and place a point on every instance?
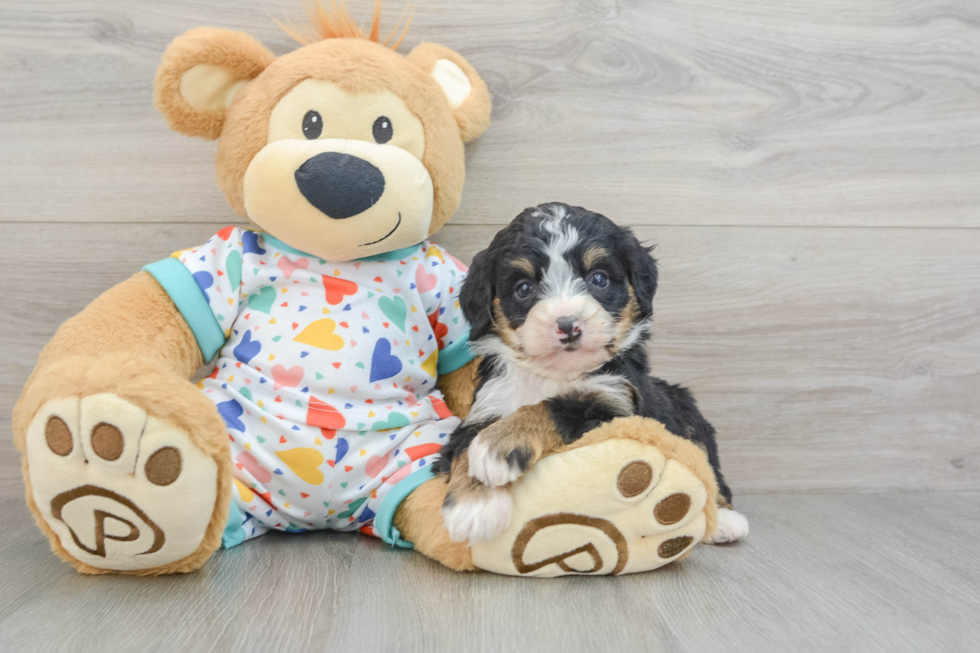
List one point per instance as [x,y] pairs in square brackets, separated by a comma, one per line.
[340,357]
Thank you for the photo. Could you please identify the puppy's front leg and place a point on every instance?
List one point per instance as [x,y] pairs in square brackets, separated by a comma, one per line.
[473,511]
[503,451]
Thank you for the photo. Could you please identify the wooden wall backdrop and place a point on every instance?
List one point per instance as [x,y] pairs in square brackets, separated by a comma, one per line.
[809,170]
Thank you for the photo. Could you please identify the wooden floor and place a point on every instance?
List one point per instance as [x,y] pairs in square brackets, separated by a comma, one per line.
[810,173]
[844,572]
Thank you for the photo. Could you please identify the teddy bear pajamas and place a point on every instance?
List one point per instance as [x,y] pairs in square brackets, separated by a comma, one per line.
[325,373]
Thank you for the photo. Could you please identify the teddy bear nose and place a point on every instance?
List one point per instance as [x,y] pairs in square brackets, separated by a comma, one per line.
[340,185]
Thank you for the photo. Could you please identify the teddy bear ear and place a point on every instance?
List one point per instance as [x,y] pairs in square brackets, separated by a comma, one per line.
[466,92]
[199,75]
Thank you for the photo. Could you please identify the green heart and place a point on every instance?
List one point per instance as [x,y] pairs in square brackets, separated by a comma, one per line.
[399,272]
[352,508]
[370,295]
[359,365]
[260,439]
[395,309]
[282,493]
[299,403]
[318,376]
[395,421]
[233,265]
[277,339]
[263,300]
[344,485]
[246,393]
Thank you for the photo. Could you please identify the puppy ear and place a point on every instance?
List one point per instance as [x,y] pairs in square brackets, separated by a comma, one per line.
[199,75]
[476,295]
[643,274]
[467,94]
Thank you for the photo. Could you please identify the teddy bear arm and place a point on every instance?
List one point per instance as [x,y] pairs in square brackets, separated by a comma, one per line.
[135,316]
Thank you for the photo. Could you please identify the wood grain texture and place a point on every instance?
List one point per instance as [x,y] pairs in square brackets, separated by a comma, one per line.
[834,358]
[696,112]
[893,572]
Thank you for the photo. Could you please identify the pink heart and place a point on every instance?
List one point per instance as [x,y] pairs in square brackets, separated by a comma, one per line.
[288,267]
[251,465]
[376,465]
[424,282]
[284,378]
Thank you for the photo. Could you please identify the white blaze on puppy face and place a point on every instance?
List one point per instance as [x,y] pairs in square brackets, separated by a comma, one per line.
[564,295]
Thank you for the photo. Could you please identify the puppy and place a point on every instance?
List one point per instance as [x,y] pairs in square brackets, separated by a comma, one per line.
[560,308]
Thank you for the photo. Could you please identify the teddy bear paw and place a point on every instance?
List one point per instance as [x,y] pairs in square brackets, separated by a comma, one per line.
[121,490]
[616,507]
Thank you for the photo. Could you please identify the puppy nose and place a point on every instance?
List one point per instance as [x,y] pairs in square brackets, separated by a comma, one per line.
[569,326]
[340,185]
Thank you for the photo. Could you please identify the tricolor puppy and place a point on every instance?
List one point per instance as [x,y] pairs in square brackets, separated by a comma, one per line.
[560,307]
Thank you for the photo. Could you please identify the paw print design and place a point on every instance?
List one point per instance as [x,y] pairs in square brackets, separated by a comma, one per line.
[618,506]
[122,490]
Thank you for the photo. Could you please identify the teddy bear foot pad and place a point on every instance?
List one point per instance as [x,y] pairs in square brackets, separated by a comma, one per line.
[616,507]
[122,491]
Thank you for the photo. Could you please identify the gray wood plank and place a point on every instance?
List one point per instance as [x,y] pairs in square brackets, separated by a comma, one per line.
[826,358]
[697,112]
[890,572]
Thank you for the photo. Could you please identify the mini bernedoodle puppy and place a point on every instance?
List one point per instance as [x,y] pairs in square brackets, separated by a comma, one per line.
[560,307]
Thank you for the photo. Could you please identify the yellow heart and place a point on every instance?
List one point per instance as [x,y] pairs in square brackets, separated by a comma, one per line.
[230,301]
[317,441]
[304,462]
[320,334]
[371,413]
[248,446]
[231,378]
[429,366]
[272,321]
[272,357]
[414,414]
[244,491]
[363,452]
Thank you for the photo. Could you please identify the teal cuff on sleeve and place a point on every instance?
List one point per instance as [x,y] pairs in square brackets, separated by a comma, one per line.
[384,521]
[191,302]
[234,533]
[455,355]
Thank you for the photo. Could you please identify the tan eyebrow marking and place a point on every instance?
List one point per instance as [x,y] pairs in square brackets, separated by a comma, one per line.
[523,265]
[592,255]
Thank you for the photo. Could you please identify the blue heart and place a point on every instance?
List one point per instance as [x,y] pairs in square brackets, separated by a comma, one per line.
[383,364]
[341,449]
[205,281]
[247,349]
[230,411]
[250,243]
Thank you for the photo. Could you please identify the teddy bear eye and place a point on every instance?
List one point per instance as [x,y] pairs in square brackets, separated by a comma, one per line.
[382,130]
[312,125]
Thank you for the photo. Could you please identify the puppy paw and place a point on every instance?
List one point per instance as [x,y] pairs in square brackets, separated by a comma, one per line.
[477,516]
[732,526]
[495,466]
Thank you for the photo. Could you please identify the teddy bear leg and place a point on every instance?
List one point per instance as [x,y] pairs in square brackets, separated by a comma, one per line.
[419,519]
[627,497]
[127,468]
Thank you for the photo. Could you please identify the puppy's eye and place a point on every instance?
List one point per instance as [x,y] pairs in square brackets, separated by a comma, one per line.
[599,279]
[382,130]
[524,290]
[312,125]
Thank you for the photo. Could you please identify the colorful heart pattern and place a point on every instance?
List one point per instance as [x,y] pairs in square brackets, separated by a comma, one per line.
[326,383]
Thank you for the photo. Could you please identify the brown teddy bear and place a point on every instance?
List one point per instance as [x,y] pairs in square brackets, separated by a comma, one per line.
[341,357]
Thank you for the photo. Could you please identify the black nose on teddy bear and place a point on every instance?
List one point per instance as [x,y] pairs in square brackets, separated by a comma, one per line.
[340,185]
